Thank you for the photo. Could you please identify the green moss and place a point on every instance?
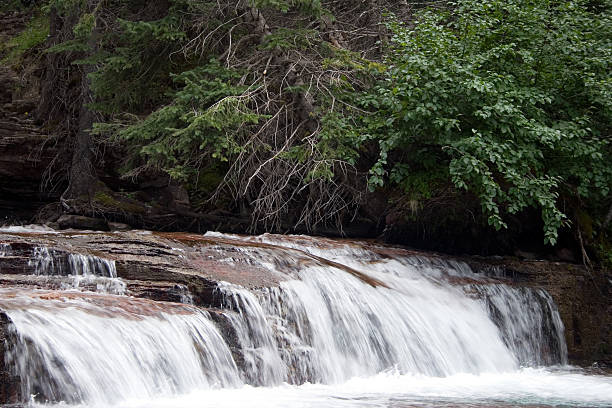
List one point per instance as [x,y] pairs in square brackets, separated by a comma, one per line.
[111,203]
[33,35]
[105,199]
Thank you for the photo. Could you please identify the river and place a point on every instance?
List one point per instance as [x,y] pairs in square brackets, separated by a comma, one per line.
[346,325]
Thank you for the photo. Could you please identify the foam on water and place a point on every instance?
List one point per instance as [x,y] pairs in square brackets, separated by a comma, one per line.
[28,229]
[526,387]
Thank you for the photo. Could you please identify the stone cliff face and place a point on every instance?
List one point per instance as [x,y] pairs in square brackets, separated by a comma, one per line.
[26,150]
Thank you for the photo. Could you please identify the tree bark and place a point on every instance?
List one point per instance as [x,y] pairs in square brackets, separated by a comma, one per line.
[83,181]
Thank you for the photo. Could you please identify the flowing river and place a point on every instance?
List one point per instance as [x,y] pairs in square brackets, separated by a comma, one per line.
[344,327]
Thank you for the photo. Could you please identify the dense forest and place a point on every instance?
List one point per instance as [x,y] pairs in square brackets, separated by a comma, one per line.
[479,126]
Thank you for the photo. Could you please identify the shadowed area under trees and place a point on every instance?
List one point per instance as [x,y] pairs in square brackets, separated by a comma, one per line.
[463,126]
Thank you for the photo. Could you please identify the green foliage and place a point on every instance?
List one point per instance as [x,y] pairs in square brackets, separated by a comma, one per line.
[73,45]
[203,121]
[32,36]
[66,7]
[312,7]
[286,39]
[604,251]
[132,59]
[508,99]
[83,29]
[134,65]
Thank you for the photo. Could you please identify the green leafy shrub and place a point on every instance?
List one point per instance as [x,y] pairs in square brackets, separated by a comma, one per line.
[508,99]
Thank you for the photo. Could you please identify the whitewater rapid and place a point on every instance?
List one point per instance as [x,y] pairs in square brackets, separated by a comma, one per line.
[526,387]
[348,325]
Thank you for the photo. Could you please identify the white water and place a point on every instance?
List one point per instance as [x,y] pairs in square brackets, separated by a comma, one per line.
[420,332]
[103,349]
[526,387]
[77,270]
[329,326]
[28,229]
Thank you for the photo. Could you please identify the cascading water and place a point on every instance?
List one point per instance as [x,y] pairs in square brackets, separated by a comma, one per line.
[347,326]
[529,322]
[91,348]
[77,270]
[328,326]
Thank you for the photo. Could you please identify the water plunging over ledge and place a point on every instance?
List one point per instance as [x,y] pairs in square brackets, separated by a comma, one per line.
[346,324]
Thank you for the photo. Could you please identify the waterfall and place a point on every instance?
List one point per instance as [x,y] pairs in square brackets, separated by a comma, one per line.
[432,316]
[341,311]
[92,348]
[529,322]
[329,326]
[77,270]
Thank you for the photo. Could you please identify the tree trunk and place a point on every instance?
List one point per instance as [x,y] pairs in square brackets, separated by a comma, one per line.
[83,181]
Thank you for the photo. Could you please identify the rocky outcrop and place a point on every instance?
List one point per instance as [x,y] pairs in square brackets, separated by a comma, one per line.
[159,266]
[23,160]
[26,150]
[67,221]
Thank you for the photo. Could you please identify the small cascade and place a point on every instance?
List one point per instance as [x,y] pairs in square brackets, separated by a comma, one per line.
[86,349]
[183,294]
[76,271]
[529,322]
[263,364]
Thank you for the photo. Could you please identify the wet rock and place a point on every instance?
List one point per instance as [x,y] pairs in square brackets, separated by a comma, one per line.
[119,226]
[525,255]
[160,266]
[82,223]
[9,384]
[566,255]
